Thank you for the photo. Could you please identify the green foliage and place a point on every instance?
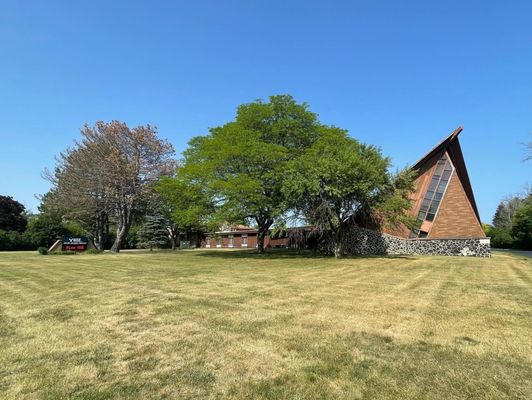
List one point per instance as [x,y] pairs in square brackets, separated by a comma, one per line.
[12,215]
[338,179]
[42,231]
[45,229]
[241,164]
[153,233]
[501,238]
[42,251]
[512,224]
[188,205]
[15,240]
[132,237]
[522,226]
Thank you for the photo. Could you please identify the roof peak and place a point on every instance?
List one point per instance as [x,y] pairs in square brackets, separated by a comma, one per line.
[443,144]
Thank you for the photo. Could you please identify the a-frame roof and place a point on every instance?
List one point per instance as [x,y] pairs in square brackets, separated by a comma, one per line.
[451,145]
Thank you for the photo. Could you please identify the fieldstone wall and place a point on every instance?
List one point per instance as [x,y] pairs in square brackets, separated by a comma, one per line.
[361,241]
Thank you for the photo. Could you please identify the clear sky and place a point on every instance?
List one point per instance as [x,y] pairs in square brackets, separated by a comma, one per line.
[398,74]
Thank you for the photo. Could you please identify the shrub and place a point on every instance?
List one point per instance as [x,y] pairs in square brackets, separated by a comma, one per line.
[15,241]
[42,250]
[501,238]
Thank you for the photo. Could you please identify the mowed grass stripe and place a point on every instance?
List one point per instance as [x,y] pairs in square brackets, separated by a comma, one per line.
[198,324]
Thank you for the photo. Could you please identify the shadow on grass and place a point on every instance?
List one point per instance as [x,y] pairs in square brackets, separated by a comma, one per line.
[274,254]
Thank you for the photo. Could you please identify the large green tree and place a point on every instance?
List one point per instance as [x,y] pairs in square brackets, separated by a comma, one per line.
[186,205]
[339,180]
[242,163]
[12,215]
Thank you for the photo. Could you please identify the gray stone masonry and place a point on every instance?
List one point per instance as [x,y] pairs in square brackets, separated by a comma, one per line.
[368,242]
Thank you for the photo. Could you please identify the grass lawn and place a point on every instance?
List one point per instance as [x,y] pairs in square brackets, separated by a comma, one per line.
[208,324]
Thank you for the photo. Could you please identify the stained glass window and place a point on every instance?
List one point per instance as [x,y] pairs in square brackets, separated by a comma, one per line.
[431,201]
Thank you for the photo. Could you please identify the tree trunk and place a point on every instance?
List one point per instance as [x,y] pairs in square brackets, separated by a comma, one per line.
[338,250]
[338,238]
[264,227]
[172,236]
[100,231]
[122,229]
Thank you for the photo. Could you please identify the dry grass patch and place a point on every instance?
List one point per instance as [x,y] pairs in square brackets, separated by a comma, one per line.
[281,326]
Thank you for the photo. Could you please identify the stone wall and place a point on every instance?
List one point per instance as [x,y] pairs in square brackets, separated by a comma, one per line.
[367,242]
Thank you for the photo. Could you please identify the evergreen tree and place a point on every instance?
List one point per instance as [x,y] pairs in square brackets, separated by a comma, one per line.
[506,211]
[153,233]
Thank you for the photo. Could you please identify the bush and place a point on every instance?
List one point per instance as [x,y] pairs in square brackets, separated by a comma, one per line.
[15,241]
[501,238]
[45,229]
[65,253]
[42,250]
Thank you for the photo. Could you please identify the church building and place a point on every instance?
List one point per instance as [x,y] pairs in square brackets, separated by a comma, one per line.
[443,200]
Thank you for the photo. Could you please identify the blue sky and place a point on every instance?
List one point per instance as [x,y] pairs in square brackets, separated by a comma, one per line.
[400,75]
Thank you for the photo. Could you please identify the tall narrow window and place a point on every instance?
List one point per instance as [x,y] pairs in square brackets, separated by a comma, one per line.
[431,201]
[244,240]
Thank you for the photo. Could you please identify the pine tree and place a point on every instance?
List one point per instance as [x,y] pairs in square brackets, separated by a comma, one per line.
[153,233]
[506,211]
[500,218]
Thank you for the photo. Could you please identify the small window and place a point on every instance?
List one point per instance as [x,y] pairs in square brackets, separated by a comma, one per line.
[231,240]
[244,240]
[423,234]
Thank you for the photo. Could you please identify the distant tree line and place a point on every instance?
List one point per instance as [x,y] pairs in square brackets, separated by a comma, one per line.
[20,230]
[512,223]
[275,163]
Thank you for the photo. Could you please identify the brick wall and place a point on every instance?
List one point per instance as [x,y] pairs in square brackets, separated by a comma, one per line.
[455,217]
